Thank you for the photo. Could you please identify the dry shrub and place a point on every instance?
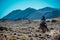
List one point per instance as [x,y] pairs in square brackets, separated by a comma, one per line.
[12,38]
[3,28]
[57,37]
[54,21]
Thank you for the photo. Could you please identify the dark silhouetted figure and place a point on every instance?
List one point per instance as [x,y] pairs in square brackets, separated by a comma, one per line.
[43,24]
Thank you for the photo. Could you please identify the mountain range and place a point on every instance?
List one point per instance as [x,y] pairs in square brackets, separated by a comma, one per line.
[32,14]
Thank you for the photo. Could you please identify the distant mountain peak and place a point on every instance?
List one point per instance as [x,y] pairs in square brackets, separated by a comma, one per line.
[29,8]
[48,7]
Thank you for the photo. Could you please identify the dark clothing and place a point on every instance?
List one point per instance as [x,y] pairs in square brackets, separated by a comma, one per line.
[43,21]
[43,18]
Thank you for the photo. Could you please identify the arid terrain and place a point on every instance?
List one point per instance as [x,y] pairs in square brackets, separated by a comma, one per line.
[29,30]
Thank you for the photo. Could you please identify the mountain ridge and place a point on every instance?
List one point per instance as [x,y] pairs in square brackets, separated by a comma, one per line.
[32,14]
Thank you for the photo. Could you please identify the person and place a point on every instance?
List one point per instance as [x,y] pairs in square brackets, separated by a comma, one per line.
[43,21]
[43,24]
[43,18]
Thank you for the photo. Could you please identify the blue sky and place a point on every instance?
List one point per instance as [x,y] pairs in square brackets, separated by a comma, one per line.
[6,6]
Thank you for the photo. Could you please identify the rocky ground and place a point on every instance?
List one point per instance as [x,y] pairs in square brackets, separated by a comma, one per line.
[29,30]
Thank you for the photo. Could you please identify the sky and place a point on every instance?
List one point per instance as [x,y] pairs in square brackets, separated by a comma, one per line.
[6,6]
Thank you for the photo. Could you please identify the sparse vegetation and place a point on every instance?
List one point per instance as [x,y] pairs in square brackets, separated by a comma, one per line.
[3,28]
[12,38]
[22,31]
[10,29]
[51,28]
[48,21]
[57,37]
[54,21]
